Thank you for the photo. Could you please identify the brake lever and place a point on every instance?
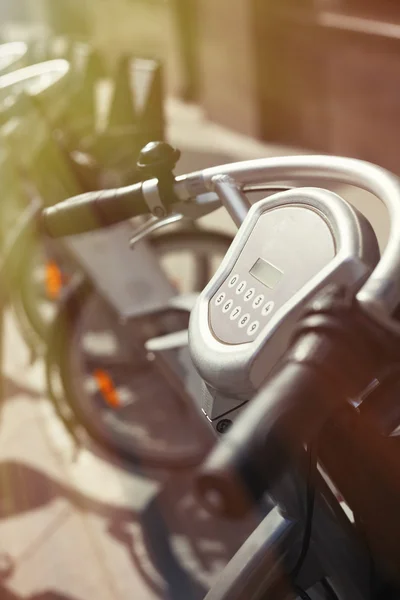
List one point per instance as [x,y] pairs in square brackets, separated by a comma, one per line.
[196,208]
[199,206]
[189,210]
[153,225]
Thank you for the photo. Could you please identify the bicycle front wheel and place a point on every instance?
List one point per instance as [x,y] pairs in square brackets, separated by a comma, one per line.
[123,400]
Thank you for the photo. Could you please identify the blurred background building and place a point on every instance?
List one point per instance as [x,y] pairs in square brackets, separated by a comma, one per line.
[318,74]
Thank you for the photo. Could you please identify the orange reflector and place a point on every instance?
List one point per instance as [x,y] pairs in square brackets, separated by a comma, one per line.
[106,387]
[54,281]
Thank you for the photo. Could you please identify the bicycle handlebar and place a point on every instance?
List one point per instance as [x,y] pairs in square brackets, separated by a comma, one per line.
[94,210]
[379,296]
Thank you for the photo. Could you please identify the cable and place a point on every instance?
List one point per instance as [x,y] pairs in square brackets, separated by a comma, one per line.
[301,593]
[372,573]
[328,589]
[310,501]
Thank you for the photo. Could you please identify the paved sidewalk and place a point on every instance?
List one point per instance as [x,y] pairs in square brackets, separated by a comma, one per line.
[82,527]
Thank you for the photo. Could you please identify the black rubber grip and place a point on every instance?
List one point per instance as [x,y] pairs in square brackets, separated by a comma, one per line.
[267,437]
[94,210]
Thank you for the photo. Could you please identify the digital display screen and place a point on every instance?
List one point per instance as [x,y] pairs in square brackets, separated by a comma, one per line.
[266,273]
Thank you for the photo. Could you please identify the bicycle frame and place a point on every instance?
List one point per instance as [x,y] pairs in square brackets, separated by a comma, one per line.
[339,554]
[256,570]
[130,280]
[260,570]
[133,283]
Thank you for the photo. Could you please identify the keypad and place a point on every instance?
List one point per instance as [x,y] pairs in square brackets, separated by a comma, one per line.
[249,294]
[227,306]
[253,328]
[235,313]
[233,281]
[234,301]
[244,320]
[241,287]
[220,298]
[258,301]
[267,308]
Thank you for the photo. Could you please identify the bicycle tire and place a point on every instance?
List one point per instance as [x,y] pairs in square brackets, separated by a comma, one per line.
[65,350]
[33,324]
[21,244]
[25,298]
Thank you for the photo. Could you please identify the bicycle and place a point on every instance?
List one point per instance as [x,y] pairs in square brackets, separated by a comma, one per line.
[56,168]
[315,425]
[45,270]
[114,396]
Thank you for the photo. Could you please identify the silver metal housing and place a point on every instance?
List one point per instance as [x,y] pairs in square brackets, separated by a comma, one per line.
[238,370]
[379,297]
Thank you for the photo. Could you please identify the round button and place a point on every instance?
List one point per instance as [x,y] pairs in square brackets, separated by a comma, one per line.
[241,287]
[223,425]
[233,281]
[244,320]
[235,313]
[249,294]
[219,299]
[258,301]
[269,307]
[227,306]
[253,328]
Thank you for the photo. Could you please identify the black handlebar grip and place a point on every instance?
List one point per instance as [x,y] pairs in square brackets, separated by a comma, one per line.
[94,210]
[268,436]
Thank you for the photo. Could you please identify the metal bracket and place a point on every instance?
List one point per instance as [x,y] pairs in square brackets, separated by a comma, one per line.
[152,198]
[170,341]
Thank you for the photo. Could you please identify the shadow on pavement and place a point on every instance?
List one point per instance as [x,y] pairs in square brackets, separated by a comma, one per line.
[7,594]
[184,544]
[13,389]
